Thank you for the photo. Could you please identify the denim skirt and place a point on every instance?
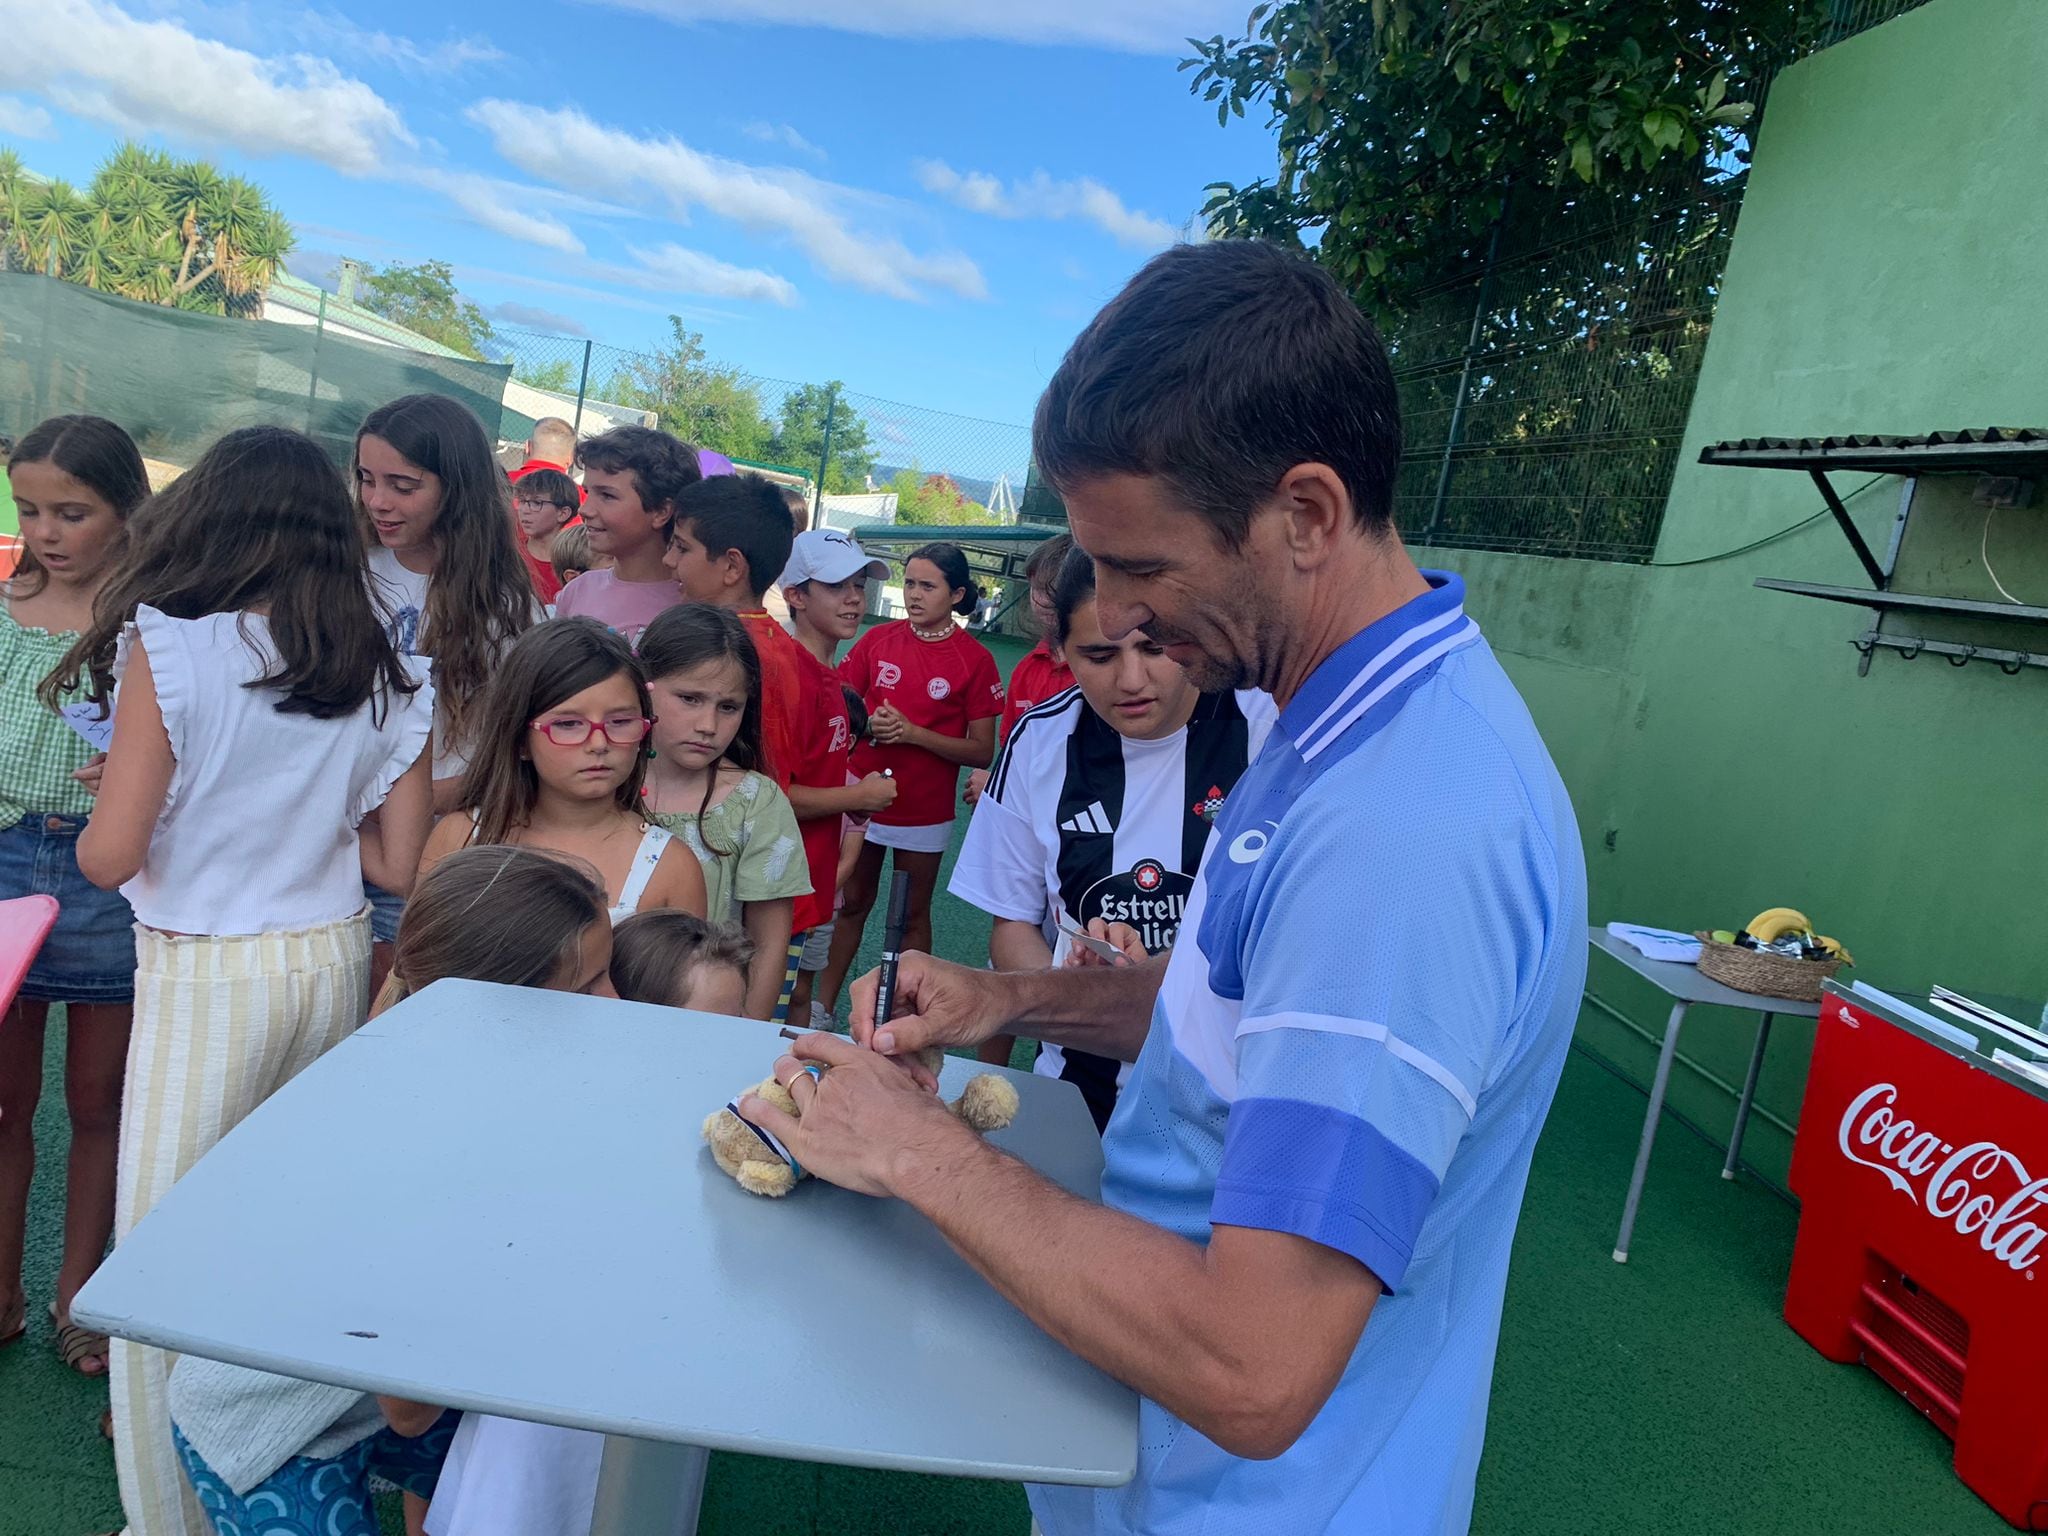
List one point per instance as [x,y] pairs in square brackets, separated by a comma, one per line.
[90,954]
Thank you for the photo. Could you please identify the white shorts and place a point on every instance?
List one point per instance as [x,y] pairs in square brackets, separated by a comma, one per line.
[817,951]
[927,839]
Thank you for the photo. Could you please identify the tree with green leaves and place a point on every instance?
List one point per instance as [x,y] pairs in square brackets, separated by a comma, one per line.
[557,375]
[935,501]
[800,436]
[1403,124]
[705,403]
[150,227]
[423,298]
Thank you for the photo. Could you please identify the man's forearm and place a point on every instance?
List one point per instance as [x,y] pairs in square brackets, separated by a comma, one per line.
[1139,1303]
[1105,1010]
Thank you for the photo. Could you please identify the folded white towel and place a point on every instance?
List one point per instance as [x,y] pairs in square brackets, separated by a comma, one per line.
[1658,943]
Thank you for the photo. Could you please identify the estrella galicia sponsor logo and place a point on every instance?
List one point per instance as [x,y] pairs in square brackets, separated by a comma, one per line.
[938,687]
[1148,897]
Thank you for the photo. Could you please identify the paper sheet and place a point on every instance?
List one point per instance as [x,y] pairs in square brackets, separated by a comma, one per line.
[84,719]
[1658,943]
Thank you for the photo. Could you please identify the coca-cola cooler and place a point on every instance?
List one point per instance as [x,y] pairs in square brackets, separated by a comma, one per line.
[1921,1235]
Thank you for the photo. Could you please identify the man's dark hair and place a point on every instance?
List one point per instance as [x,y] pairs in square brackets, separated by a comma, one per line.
[1217,369]
[662,466]
[742,512]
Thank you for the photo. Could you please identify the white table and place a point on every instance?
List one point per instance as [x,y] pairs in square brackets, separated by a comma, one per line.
[497,1199]
[1685,986]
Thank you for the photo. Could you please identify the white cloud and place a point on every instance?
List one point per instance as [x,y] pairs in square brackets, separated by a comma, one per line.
[261,25]
[784,136]
[25,120]
[567,149]
[1133,26]
[671,268]
[533,317]
[1039,196]
[91,58]
[503,207]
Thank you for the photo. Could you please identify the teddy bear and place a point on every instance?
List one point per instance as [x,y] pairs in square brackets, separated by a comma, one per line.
[763,1166]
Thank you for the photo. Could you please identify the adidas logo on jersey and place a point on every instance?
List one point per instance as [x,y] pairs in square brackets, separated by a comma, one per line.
[1094,819]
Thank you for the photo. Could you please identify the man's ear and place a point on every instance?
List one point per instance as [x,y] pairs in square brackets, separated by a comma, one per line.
[1315,506]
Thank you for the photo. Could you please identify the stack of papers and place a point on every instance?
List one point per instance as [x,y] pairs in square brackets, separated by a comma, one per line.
[1658,943]
[2001,1029]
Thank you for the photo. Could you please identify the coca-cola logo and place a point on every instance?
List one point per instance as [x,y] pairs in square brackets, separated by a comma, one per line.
[1978,1187]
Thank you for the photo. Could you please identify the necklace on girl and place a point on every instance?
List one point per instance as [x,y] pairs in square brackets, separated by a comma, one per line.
[938,633]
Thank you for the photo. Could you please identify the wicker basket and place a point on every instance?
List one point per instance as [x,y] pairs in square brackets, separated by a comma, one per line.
[1764,973]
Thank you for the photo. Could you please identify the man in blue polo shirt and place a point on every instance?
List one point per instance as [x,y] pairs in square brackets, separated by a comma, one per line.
[1314,1174]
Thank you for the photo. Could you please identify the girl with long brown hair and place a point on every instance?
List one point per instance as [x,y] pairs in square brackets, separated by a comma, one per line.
[558,765]
[704,784]
[436,518]
[262,714]
[76,480]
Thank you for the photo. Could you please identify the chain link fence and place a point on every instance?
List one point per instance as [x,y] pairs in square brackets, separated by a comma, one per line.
[1545,389]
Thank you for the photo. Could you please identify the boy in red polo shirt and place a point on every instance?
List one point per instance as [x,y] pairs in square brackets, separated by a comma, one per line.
[731,539]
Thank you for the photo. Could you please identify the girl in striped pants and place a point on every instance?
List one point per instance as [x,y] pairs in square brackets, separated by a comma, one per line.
[261,714]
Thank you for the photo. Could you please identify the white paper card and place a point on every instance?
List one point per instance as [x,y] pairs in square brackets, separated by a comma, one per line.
[84,718]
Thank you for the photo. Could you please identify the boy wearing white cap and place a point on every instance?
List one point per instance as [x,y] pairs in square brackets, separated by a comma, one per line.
[825,585]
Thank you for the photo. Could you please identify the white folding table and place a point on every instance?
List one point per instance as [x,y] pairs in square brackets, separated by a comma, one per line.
[1685,986]
[496,1199]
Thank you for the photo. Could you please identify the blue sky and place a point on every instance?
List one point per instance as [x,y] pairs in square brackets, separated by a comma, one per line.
[924,198]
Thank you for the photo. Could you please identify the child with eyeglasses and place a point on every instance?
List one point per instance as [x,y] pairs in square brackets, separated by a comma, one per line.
[559,765]
[544,503]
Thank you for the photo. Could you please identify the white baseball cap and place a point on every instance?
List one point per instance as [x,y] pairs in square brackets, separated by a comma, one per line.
[827,555]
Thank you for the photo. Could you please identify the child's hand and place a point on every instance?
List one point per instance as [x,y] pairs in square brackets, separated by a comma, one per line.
[90,775]
[877,792]
[977,781]
[1121,936]
[886,726]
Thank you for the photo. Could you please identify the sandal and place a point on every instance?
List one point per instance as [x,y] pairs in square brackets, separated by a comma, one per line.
[78,1344]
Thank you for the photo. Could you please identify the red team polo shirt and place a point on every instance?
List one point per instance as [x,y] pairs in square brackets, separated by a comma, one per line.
[820,764]
[942,685]
[784,726]
[1035,678]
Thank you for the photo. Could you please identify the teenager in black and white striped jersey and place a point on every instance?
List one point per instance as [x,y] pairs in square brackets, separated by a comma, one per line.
[1100,805]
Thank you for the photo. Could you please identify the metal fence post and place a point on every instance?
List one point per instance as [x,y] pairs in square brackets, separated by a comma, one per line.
[313,384]
[1443,471]
[582,387]
[825,453]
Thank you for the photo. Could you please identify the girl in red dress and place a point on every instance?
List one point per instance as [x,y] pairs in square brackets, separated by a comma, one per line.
[933,696]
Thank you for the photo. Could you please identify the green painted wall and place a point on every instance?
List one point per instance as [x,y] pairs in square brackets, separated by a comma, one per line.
[1724,756]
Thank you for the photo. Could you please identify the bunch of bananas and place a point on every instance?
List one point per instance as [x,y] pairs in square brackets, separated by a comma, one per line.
[1787,931]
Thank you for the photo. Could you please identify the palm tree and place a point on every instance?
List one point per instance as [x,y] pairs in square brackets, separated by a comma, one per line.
[150,227]
[53,217]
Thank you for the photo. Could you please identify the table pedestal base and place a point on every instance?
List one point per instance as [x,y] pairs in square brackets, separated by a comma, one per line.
[645,1488]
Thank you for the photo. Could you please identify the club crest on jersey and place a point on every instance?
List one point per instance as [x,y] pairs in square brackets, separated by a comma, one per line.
[1148,897]
[1210,806]
[887,674]
[938,687]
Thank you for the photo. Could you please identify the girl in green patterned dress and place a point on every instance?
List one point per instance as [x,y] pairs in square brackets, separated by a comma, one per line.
[703,786]
[75,480]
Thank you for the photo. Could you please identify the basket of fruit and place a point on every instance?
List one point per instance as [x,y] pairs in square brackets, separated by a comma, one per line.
[1777,955]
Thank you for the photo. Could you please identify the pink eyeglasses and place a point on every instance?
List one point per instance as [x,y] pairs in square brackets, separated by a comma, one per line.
[573,730]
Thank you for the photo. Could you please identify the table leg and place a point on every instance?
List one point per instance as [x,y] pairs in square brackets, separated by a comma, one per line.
[647,1488]
[1642,1169]
[1756,1063]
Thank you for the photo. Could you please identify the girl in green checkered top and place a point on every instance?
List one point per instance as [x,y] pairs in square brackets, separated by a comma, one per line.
[75,480]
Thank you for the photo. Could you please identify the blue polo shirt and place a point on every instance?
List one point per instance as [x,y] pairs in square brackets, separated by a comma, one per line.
[1356,1041]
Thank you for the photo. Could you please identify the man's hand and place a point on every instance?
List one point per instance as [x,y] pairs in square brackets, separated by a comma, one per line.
[877,793]
[865,1122]
[977,781]
[937,1003]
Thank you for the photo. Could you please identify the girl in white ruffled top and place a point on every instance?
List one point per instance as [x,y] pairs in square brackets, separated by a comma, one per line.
[261,714]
